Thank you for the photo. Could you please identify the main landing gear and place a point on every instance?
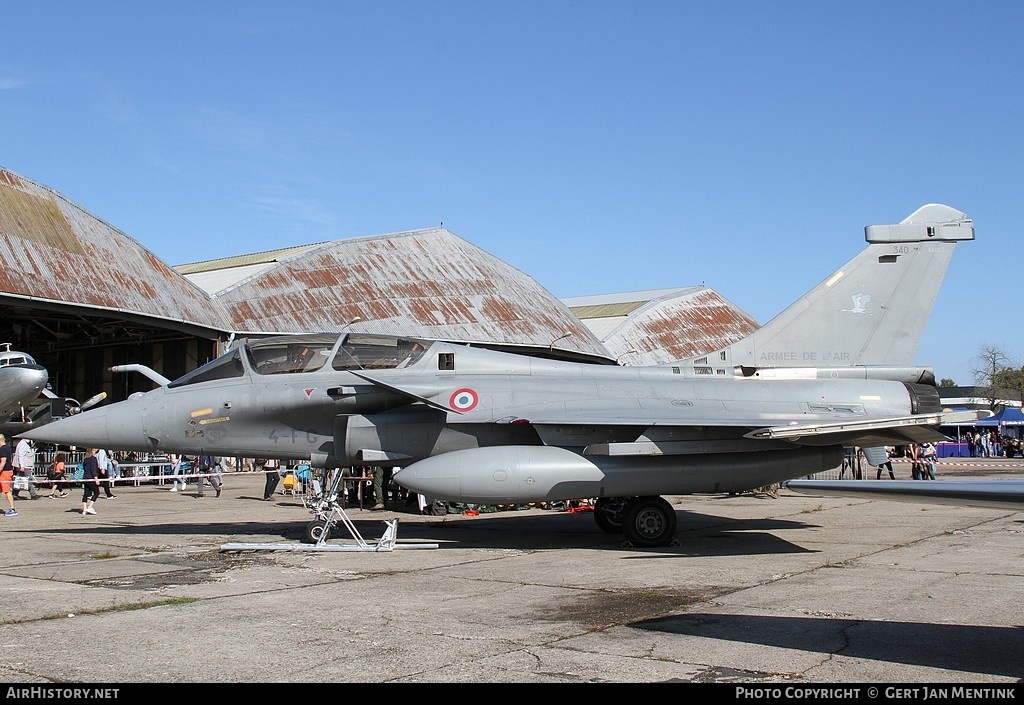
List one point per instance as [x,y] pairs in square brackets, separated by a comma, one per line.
[644,521]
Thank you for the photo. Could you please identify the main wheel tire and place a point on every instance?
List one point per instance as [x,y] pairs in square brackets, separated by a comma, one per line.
[608,513]
[315,530]
[649,521]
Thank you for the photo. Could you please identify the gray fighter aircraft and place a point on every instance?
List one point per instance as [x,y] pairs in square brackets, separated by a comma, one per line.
[470,424]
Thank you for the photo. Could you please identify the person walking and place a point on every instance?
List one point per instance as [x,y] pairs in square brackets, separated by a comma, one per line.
[207,471]
[177,467]
[24,465]
[914,453]
[7,475]
[56,475]
[887,464]
[273,470]
[927,455]
[90,481]
[849,462]
[106,479]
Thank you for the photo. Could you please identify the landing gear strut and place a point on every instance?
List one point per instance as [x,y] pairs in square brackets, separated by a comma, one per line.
[608,513]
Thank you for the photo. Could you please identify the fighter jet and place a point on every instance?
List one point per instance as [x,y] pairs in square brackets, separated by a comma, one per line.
[470,424]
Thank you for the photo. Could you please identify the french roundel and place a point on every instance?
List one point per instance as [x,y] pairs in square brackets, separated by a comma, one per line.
[464,399]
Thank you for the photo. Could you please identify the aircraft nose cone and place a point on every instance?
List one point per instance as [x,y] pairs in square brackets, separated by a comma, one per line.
[22,382]
[85,429]
[30,376]
[36,375]
[117,427]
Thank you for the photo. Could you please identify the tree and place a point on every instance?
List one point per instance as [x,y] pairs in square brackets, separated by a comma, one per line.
[946,382]
[990,363]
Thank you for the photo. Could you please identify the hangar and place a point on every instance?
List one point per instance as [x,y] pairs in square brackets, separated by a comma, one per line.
[82,296]
[659,326]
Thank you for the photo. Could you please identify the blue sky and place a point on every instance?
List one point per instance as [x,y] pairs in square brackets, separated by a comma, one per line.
[597,146]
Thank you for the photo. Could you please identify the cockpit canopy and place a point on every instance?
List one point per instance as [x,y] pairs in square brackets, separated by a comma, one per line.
[13,357]
[296,354]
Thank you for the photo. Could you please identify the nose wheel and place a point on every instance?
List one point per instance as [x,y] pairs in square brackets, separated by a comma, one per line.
[317,531]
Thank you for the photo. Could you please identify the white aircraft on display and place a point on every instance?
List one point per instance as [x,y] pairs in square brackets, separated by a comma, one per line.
[22,380]
[468,424]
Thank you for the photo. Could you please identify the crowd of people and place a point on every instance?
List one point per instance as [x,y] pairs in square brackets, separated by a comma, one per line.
[923,456]
[984,444]
[96,473]
[18,474]
[100,469]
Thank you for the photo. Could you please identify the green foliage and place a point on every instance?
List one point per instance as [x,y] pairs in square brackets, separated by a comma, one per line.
[1010,382]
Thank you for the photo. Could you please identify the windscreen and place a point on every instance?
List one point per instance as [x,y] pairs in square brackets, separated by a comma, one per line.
[369,352]
[291,354]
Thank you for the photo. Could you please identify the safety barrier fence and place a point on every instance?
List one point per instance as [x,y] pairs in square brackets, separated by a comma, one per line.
[902,466]
[159,470]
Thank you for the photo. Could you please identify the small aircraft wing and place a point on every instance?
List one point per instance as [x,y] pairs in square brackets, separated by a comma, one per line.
[896,430]
[999,494]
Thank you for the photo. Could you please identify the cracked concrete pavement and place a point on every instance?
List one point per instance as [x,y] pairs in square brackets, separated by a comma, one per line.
[793,589]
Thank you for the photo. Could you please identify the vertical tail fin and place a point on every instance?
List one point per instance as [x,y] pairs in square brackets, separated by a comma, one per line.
[867,318]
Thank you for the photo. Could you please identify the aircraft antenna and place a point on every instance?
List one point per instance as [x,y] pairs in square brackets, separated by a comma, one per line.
[563,336]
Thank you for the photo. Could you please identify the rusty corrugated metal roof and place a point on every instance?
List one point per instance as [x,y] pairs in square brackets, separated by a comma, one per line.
[669,326]
[66,254]
[427,282]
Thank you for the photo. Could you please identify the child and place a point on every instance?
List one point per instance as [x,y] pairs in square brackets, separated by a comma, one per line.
[56,477]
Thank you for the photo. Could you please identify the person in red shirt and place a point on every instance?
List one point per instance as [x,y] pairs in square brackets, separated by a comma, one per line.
[7,475]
